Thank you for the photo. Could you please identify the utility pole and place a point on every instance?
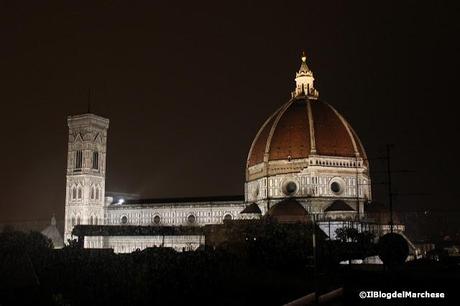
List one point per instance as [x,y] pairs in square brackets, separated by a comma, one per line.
[390,193]
[357,189]
[315,270]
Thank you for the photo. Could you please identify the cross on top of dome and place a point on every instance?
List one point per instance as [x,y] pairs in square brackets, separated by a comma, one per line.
[304,81]
[303,67]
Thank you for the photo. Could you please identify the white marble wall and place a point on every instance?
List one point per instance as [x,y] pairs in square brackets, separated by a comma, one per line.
[314,181]
[128,244]
[173,214]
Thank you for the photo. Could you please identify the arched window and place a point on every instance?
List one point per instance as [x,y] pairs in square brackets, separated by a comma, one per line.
[156,219]
[95,220]
[97,193]
[92,192]
[96,160]
[78,159]
[91,220]
[78,220]
[73,221]
[74,193]
[79,192]
[228,217]
[124,220]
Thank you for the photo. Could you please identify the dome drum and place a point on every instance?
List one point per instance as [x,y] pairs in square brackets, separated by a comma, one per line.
[309,186]
[314,162]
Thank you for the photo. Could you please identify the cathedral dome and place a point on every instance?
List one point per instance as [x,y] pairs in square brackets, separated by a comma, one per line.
[304,127]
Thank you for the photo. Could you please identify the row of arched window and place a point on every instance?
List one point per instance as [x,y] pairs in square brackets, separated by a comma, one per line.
[335,163]
[76,193]
[79,160]
[77,220]
[95,192]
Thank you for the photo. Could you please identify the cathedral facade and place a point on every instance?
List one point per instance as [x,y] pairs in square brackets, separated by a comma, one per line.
[305,154]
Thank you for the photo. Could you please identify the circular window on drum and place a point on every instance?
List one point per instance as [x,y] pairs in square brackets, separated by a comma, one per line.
[228,217]
[156,219]
[191,219]
[290,188]
[336,186]
[124,220]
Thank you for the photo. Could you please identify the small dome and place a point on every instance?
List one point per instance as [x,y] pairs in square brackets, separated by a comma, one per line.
[289,211]
[52,232]
[252,208]
[302,127]
[337,206]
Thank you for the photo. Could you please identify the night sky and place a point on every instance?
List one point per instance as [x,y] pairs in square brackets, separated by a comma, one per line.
[187,85]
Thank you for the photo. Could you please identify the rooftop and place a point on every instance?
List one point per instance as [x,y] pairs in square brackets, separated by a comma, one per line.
[184,200]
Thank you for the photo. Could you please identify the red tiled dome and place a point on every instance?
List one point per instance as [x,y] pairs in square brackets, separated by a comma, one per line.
[302,127]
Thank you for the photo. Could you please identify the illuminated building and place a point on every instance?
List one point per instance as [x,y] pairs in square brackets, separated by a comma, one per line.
[305,159]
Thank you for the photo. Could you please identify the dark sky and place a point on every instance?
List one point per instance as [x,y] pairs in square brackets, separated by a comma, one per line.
[187,85]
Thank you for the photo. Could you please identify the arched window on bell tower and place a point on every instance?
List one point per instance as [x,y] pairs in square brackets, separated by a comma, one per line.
[96,160]
[92,193]
[78,160]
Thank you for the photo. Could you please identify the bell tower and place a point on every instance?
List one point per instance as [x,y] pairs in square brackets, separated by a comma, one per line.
[86,165]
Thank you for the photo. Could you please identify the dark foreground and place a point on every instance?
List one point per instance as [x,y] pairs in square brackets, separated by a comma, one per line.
[258,274]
